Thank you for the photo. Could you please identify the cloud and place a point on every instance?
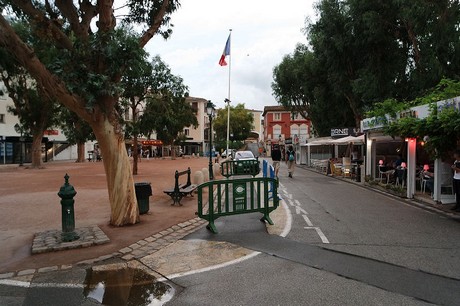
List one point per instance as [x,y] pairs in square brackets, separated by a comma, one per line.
[263,32]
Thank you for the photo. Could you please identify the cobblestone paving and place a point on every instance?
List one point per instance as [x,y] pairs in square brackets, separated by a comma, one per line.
[142,248]
[51,240]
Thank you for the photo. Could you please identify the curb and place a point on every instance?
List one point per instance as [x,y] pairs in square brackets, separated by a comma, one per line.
[143,247]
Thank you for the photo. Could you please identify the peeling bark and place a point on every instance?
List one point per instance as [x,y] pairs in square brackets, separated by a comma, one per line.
[120,183]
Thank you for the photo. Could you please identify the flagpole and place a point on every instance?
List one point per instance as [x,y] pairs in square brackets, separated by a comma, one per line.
[228,96]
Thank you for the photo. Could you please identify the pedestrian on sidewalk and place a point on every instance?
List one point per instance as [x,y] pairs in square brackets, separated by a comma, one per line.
[456,180]
[290,160]
[276,158]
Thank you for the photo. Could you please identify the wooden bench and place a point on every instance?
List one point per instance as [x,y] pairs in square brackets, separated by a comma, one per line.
[181,190]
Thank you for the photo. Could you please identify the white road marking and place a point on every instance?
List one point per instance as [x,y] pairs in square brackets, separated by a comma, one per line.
[307,220]
[288,226]
[302,210]
[320,234]
[290,202]
[10,282]
[297,202]
[223,265]
[284,233]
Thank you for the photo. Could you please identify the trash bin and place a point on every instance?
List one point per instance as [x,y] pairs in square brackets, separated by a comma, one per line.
[143,192]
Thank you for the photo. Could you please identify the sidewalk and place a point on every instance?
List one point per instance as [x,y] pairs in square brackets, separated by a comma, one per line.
[29,204]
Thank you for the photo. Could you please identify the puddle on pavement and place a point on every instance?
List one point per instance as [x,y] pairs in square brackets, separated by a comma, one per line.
[126,286]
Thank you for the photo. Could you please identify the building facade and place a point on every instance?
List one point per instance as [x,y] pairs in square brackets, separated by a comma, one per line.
[197,138]
[283,127]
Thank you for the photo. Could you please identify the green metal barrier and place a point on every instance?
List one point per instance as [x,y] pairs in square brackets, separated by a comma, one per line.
[240,167]
[239,196]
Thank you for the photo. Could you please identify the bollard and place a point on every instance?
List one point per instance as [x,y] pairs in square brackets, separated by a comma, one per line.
[67,193]
[198,178]
[205,174]
[216,169]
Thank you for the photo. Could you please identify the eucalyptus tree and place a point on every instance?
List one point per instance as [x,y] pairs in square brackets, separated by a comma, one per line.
[85,76]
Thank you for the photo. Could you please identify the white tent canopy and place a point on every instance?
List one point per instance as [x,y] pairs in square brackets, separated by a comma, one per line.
[348,139]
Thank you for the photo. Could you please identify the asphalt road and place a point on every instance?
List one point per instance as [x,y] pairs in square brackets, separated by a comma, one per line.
[348,246]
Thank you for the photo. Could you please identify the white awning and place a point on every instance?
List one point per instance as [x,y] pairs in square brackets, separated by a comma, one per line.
[320,142]
[348,139]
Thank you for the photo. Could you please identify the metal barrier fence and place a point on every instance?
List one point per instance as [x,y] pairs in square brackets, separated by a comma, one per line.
[238,196]
[269,171]
[240,167]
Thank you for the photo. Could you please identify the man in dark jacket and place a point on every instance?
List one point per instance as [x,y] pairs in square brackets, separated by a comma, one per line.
[276,158]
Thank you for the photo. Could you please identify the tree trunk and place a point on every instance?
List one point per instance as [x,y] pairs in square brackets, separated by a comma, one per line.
[135,154]
[120,183]
[80,152]
[37,150]
[173,151]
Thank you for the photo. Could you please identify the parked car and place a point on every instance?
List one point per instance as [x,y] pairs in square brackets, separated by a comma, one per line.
[231,151]
[244,155]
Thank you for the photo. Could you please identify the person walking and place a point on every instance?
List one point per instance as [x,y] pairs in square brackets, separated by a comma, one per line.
[290,160]
[276,158]
[456,180]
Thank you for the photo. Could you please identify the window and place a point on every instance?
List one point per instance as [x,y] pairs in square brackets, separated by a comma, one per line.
[186,132]
[276,131]
[2,118]
[195,106]
[277,116]
[294,130]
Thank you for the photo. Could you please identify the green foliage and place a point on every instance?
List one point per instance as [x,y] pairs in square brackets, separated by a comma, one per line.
[75,129]
[388,107]
[85,75]
[441,129]
[35,110]
[241,123]
[166,110]
[363,52]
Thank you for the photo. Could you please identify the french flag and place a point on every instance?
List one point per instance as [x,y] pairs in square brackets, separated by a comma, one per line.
[226,52]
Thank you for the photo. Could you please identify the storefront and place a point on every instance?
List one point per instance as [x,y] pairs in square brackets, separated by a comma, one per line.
[388,155]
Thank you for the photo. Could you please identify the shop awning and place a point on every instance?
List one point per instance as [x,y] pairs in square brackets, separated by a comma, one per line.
[348,139]
[320,142]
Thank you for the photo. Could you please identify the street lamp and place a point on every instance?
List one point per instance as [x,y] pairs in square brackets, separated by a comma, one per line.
[210,110]
[19,130]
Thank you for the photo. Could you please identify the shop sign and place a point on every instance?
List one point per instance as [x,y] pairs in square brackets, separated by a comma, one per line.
[152,142]
[51,132]
[451,103]
[288,141]
[343,132]
[374,123]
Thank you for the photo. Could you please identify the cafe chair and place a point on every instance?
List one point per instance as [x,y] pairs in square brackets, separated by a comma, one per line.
[335,170]
[401,176]
[346,166]
[384,172]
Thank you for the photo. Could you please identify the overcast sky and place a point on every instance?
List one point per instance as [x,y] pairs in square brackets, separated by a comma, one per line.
[263,32]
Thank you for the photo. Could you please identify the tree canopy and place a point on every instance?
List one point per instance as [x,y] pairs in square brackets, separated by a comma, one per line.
[92,55]
[166,111]
[366,51]
[241,123]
